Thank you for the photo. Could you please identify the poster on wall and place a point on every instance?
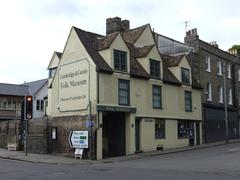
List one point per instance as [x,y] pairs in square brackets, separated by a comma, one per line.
[73,86]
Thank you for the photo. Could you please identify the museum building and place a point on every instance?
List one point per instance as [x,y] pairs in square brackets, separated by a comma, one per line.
[120,89]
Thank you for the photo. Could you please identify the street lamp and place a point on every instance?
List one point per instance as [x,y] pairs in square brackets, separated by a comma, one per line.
[225,95]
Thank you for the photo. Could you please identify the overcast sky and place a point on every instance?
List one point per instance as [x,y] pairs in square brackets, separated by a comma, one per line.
[32,29]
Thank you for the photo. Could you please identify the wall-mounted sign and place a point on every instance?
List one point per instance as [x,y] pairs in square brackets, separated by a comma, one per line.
[78,139]
[73,87]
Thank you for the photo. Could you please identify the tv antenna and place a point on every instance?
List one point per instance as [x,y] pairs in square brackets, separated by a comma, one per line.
[186,25]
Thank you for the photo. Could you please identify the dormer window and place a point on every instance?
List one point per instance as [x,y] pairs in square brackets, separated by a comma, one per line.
[185,76]
[120,60]
[155,69]
[52,72]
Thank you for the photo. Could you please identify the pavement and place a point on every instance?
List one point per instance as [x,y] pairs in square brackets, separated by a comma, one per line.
[57,159]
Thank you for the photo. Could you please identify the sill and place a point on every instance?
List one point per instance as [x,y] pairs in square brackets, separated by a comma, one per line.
[124,104]
[153,77]
[207,70]
[220,102]
[220,75]
[158,108]
[160,138]
[209,100]
[188,110]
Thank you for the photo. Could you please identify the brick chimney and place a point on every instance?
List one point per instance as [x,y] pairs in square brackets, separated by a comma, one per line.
[192,39]
[116,25]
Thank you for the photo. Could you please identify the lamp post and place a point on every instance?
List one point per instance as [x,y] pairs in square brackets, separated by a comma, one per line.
[225,95]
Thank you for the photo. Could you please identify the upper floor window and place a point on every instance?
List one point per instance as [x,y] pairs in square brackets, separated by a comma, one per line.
[229,71]
[208,63]
[40,105]
[159,128]
[209,92]
[120,60]
[188,101]
[185,75]
[157,96]
[219,68]
[52,72]
[230,101]
[155,69]
[239,75]
[220,93]
[123,92]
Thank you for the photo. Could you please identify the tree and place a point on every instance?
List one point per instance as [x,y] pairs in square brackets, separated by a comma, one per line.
[237,47]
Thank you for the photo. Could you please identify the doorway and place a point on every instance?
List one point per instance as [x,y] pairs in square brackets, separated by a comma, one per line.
[137,134]
[114,138]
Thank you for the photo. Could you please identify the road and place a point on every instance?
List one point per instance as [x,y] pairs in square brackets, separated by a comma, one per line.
[215,163]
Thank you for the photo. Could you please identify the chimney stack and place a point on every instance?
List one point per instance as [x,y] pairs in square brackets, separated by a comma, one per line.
[116,25]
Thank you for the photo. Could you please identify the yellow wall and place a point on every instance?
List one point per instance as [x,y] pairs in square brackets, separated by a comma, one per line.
[74,51]
[173,101]
[146,37]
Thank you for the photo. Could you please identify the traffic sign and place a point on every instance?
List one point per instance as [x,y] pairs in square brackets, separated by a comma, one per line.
[78,139]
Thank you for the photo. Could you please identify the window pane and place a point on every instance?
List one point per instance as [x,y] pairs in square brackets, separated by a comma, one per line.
[123,93]
[159,129]
[155,68]
[120,60]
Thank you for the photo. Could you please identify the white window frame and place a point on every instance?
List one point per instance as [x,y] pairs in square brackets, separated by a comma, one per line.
[208,62]
[229,71]
[230,100]
[238,74]
[220,91]
[209,92]
[219,68]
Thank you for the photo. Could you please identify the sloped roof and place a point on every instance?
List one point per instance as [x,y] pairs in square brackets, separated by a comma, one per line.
[14,89]
[168,77]
[132,35]
[142,51]
[105,42]
[135,67]
[58,54]
[90,42]
[172,60]
[35,86]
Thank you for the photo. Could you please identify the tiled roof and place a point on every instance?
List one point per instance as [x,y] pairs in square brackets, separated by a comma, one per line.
[135,67]
[35,86]
[142,51]
[168,77]
[172,60]
[105,42]
[58,54]
[132,35]
[90,42]
[13,89]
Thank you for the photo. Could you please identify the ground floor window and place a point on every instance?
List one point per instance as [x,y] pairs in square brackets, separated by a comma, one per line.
[159,128]
[40,105]
[185,129]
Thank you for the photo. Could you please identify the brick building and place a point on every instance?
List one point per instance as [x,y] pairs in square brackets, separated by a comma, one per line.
[208,65]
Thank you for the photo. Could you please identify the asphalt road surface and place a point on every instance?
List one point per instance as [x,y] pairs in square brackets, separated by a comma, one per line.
[216,163]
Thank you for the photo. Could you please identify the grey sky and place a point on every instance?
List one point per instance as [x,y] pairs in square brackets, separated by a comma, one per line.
[32,29]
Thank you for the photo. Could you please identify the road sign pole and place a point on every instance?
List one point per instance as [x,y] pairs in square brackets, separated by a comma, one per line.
[26,127]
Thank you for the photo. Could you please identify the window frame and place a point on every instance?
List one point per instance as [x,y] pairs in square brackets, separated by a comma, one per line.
[160,133]
[157,94]
[155,68]
[209,92]
[188,99]
[220,94]
[188,71]
[219,68]
[208,63]
[126,90]
[120,60]
[229,71]
[230,97]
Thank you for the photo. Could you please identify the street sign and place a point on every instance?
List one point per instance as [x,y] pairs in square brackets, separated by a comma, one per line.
[78,139]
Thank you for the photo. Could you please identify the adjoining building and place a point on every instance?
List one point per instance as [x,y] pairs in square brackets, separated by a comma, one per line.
[208,64]
[39,90]
[134,98]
